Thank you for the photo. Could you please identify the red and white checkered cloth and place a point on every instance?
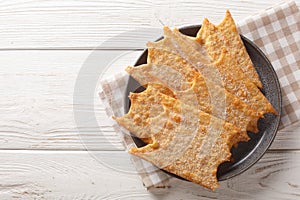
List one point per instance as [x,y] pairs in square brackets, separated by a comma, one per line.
[276,31]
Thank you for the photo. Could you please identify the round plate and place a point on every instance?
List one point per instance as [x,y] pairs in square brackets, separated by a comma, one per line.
[247,153]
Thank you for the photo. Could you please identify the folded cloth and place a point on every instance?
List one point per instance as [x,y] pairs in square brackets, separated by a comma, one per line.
[276,31]
[113,98]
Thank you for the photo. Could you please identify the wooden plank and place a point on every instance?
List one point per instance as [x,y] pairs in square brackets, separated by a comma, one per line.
[63,175]
[77,175]
[273,177]
[87,24]
[36,106]
[287,138]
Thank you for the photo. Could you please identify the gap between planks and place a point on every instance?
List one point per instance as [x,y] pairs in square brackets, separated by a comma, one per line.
[39,24]
[58,150]
[73,49]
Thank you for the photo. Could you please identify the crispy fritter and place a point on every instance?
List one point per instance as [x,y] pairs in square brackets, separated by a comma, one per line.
[220,72]
[191,149]
[201,97]
[211,98]
[226,35]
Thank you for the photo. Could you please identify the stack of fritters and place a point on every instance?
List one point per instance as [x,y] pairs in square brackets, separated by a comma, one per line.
[202,96]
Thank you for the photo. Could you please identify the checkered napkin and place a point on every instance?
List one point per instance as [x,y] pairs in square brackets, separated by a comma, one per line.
[277,32]
[113,98]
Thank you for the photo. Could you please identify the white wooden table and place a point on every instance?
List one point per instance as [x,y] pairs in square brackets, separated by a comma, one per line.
[43,46]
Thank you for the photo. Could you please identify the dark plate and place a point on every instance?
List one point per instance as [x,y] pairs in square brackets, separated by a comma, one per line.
[247,153]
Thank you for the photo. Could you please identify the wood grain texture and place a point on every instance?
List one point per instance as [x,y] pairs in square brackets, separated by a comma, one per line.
[37,111]
[36,106]
[72,24]
[77,175]
[43,48]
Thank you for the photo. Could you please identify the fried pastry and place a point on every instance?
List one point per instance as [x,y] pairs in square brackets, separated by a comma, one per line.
[226,35]
[201,98]
[220,71]
[211,98]
[192,150]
